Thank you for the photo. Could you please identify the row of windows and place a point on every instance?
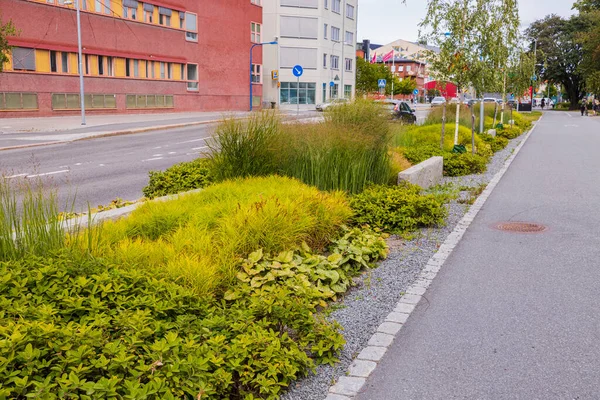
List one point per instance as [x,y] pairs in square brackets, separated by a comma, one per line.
[18,101]
[50,61]
[335,34]
[71,101]
[306,92]
[335,62]
[336,8]
[141,12]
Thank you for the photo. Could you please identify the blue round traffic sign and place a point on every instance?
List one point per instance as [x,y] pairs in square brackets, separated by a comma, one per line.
[332,83]
[298,71]
[416,91]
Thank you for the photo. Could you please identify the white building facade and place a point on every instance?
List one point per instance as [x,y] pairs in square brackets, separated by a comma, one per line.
[320,36]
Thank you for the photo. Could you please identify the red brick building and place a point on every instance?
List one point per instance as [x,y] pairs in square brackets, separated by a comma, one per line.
[409,69]
[139,56]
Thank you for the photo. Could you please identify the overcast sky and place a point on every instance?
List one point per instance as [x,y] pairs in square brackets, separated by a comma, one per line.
[383,21]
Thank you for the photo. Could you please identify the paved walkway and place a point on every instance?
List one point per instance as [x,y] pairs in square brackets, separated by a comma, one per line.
[514,316]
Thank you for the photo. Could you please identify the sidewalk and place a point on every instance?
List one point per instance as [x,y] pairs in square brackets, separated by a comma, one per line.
[513,315]
[25,132]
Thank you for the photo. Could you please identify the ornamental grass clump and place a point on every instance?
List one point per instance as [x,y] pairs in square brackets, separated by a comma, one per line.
[198,238]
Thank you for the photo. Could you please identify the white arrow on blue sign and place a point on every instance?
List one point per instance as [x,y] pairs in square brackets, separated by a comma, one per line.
[298,71]
[416,91]
[381,83]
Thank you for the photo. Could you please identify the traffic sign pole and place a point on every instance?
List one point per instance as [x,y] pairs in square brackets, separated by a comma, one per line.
[298,71]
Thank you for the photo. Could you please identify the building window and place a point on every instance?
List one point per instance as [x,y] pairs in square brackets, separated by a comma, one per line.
[255,32]
[182,71]
[164,16]
[335,62]
[162,70]
[335,34]
[324,60]
[127,67]
[325,29]
[326,4]
[191,27]
[347,91]
[136,68]
[148,13]
[169,71]
[333,91]
[53,62]
[256,73]
[98,6]
[408,68]
[256,2]
[349,38]
[87,63]
[297,93]
[23,59]
[18,101]
[130,9]
[401,68]
[100,65]
[348,64]
[324,92]
[336,6]
[350,11]
[110,71]
[64,58]
[192,77]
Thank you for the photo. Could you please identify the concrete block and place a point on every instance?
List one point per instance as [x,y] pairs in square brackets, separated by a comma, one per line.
[404,308]
[372,353]
[397,317]
[391,328]
[381,340]
[361,368]
[492,132]
[332,396]
[348,385]
[426,174]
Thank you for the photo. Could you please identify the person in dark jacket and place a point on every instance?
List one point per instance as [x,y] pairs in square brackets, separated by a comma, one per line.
[583,108]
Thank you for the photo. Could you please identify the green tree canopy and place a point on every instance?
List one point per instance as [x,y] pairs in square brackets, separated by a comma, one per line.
[6,29]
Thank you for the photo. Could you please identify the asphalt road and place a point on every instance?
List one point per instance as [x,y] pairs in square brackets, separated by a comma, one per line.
[100,170]
[514,316]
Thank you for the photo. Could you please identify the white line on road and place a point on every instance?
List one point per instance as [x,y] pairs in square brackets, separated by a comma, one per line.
[78,164]
[191,141]
[570,116]
[155,148]
[199,148]
[156,155]
[172,152]
[15,176]
[62,171]
[153,159]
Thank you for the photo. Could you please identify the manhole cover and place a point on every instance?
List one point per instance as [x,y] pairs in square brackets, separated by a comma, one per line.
[520,227]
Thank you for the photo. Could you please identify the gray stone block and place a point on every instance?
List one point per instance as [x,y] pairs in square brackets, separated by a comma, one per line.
[372,353]
[381,340]
[361,368]
[396,317]
[333,396]
[348,385]
[492,132]
[391,328]
[426,174]
[404,308]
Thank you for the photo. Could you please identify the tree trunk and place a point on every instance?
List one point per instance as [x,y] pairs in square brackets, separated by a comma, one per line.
[495,115]
[472,131]
[443,127]
[457,124]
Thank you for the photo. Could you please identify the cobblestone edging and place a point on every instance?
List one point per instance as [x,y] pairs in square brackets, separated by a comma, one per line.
[349,385]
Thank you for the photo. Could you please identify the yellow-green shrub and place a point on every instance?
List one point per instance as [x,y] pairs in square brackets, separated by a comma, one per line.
[431,135]
[198,238]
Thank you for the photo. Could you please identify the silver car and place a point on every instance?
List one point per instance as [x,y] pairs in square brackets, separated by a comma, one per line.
[334,102]
[438,101]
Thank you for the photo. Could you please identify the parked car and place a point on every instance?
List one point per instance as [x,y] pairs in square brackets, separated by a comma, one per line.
[473,101]
[438,101]
[389,104]
[405,113]
[334,102]
[490,100]
[454,100]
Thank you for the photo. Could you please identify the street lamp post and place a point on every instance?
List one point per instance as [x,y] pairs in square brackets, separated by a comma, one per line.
[80,55]
[251,49]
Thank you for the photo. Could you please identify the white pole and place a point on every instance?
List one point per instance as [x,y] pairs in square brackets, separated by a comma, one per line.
[81,91]
[343,13]
[393,71]
[298,99]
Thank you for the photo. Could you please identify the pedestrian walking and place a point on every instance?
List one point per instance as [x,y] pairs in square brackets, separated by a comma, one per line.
[583,108]
[543,103]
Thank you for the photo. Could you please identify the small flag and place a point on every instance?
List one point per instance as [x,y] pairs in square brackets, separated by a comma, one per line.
[388,56]
[374,58]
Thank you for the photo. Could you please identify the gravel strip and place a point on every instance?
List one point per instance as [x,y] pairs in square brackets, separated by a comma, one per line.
[377,292]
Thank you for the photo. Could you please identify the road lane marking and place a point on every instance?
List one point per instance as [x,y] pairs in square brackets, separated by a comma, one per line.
[14,176]
[172,152]
[153,159]
[156,155]
[62,171]
[570,116]
[101,165]
[78,164]
[191,141]
[199,148]
[156,148]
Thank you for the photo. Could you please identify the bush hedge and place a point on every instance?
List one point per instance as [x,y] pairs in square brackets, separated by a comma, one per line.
[74,327]
[179,178]
[496,143]
[397,209]
[464,164]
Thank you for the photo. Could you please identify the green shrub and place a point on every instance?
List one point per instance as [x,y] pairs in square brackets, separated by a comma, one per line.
[496,143]
[83,328]
[421,153]
[179,178]
[510,132]
[397,208]
[198,237]
[464,164]
[243,148]
[431,135]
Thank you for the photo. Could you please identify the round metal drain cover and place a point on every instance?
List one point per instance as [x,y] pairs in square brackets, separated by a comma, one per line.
[520,227]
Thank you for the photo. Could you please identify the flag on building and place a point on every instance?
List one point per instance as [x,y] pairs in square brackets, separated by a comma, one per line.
[388,56]
[374,58]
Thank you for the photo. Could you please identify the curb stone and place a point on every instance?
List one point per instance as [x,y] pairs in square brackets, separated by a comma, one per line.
[347,387]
